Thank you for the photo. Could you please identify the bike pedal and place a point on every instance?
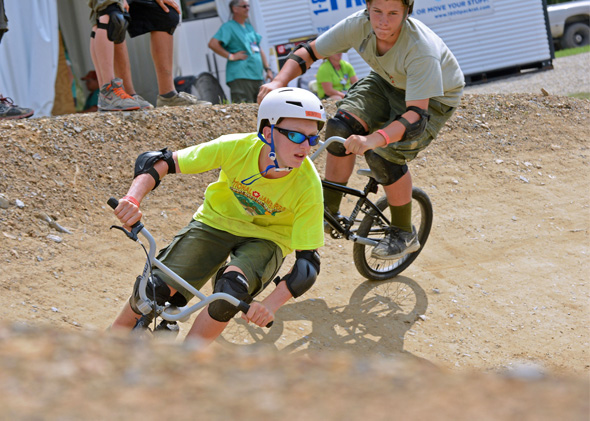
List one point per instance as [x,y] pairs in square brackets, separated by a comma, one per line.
[168,327]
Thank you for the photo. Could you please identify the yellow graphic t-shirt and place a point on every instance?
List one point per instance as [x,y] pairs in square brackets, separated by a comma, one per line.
[288,210]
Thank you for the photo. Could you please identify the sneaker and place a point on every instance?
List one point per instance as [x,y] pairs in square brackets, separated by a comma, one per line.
[10,111]
[181,98]
[112,97]
[396,244]
[145,105]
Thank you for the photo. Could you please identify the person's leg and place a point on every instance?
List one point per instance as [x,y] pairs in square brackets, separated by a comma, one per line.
[126,319]
[162,49]
[112,96]
[402,238]
[123,71]
[339,164]
[238,91]
[253,87]
[206,329]
[102,52]
[399,198]
[195,254]
[257,263]
[122,66]
[161,44]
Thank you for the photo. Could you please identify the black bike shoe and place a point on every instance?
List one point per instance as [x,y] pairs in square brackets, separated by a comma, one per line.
[396,244]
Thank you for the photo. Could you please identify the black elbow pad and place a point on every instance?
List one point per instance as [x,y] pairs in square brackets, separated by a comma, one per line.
[144,164]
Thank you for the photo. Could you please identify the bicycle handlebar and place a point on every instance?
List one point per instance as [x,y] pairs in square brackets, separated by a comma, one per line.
[325,144]
[185,312]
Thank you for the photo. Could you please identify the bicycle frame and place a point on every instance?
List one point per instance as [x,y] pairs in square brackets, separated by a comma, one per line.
[345,228]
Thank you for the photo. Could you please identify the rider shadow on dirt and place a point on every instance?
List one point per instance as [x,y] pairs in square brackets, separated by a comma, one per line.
[377,318]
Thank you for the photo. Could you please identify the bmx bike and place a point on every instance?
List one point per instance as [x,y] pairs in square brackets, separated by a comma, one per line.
[366,225]
[169,313]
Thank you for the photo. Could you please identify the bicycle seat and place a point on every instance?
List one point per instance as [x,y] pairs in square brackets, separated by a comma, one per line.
[365,171]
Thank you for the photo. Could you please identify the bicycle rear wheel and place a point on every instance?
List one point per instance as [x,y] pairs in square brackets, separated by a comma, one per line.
[373,227]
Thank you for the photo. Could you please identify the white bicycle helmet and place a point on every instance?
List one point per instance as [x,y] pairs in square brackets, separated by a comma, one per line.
[290,103]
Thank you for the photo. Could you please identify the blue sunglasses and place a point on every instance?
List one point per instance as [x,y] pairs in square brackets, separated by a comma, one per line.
[297,137]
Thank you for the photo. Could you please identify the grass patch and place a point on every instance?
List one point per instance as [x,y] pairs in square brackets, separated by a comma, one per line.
[572,51]
[581,95]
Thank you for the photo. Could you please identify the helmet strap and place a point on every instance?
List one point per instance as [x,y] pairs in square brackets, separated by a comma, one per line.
[273,157]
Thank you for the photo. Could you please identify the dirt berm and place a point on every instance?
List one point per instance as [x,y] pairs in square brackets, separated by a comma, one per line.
[490,323]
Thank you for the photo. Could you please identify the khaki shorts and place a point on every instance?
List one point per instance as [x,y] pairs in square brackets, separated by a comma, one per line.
[98,5]
[378,103]
[198,251]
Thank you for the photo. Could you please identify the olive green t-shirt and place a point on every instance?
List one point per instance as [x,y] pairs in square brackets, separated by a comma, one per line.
[420,63]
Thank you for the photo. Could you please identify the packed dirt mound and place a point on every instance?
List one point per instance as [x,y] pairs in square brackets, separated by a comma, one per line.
[490,322]
[60,375]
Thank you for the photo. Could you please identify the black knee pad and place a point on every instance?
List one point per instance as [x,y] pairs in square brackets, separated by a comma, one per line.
[156,290]
[344,125]
[384,171]
[118,23]
[234,284]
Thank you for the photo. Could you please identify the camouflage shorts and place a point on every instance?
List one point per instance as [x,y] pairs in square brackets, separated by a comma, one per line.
[198,251]
[377,102]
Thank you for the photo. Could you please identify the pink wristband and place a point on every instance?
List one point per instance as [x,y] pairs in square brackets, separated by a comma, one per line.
[131,199]
[385,135]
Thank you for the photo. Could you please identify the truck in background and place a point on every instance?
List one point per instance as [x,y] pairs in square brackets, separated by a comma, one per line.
[570,23]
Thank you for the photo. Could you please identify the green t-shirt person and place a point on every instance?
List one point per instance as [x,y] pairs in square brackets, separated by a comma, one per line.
[334,74]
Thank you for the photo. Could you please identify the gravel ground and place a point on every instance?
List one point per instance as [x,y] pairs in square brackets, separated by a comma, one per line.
[569,76]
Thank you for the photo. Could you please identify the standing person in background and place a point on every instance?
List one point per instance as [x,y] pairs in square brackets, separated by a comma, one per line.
[390,115]
[8,110]
[334,77]
[247,66]
[111,19]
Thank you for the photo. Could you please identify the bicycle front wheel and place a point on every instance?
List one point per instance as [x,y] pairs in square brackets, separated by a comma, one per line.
[374,227]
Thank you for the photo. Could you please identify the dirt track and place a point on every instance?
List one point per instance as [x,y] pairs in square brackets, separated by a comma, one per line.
[502,284]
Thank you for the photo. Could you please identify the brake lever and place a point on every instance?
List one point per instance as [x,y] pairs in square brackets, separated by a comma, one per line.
[130,234]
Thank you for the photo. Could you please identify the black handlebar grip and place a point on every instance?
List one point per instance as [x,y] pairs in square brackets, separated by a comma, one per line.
[244,307]
[113,203]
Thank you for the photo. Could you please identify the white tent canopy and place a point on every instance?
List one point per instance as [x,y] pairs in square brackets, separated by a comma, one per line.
[29,54]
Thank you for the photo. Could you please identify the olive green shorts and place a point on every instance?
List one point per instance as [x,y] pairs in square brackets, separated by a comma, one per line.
[98,5]
[244,90]
[378,103]
[198,251]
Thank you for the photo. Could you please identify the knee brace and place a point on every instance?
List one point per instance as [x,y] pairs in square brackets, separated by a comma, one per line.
[384,171]
[155,286]
[304,273]
[344,125]
[118,23]
[234,284]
